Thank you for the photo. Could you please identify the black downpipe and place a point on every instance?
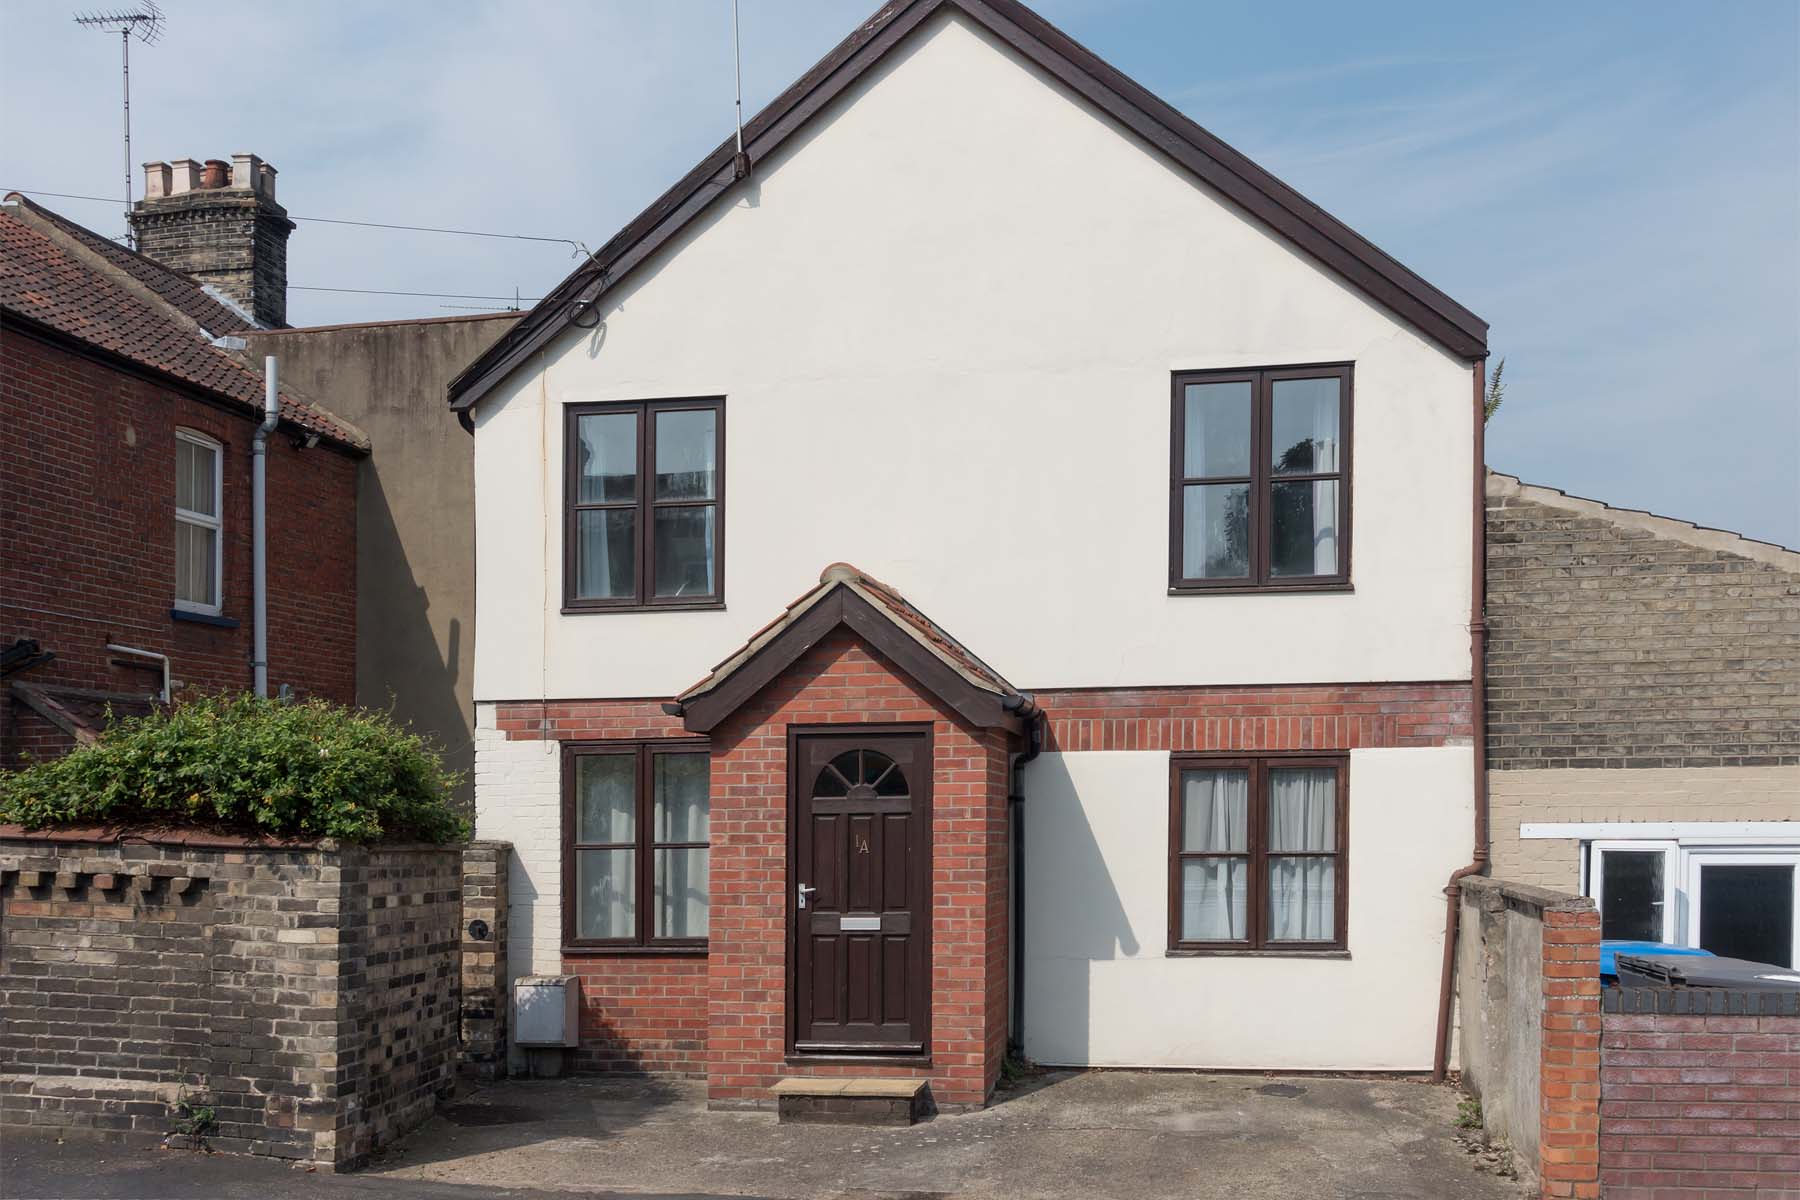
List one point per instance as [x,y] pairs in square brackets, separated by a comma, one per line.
[1015,806]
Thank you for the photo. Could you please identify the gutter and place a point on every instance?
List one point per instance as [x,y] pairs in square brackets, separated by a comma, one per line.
[259,537]
[1026,707]
[1478,726]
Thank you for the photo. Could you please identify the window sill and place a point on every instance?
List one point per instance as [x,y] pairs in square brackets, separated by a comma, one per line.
[1225,952]
[585,951]
[573,610]
[1260,589]
[200,618]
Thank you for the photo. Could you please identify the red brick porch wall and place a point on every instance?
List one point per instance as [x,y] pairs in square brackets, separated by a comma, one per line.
[724,1015]
[841,682]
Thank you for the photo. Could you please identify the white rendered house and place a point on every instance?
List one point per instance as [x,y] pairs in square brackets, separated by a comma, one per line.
[988,449]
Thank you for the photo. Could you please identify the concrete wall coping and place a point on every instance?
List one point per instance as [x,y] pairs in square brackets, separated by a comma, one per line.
[1495,893]
[1696,1002]
[1510,487]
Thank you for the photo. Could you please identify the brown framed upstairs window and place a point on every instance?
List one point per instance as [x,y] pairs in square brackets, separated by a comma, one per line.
[1260,479]
[1258,853]
[644,501]
[636,829]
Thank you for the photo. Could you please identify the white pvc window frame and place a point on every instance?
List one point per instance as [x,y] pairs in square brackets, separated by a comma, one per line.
[1701,857]
[214,521]
[1671,851]
[1688,847]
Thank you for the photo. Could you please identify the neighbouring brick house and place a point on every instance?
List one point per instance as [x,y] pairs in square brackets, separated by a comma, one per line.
[1168,778]
[125,494]
[1643,734]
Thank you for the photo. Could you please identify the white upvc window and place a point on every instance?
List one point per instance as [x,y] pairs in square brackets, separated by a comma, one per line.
[1633,884]
[199,525]
[1740,899]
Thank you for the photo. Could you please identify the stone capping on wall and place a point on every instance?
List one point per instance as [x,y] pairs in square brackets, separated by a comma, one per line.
[1510,487]
[1524,896]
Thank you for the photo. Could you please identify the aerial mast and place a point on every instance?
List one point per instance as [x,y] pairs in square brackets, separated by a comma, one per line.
[146,24]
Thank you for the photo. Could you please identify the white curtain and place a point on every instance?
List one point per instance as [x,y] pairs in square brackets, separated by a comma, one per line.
[1325,491]
[1302,819]
[682,896]
[1215,814]
[606,891]
[606,811]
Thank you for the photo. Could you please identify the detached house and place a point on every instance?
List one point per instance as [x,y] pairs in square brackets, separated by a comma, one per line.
[989,561]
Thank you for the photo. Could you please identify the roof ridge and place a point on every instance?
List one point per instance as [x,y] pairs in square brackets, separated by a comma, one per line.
[128,294]
[1259,195]
[81,232]
[1501,486]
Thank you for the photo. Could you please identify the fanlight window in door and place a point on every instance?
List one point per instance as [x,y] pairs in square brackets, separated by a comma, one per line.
[859,774]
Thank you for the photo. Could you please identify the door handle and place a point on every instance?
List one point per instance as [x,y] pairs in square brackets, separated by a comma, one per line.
[803,892]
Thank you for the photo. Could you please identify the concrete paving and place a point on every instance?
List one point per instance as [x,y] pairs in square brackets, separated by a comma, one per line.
[1139,1135]
[1062,1134]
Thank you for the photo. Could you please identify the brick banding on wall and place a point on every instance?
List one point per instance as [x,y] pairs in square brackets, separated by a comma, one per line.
[1271,717]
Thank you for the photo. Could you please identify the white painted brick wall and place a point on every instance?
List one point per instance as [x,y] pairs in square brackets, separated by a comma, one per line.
[518,798]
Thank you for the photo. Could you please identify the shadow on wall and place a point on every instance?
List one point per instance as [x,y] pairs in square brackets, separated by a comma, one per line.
[400,665]
[1074,915]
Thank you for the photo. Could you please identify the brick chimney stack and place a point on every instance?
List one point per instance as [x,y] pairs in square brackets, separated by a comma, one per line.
[219,223]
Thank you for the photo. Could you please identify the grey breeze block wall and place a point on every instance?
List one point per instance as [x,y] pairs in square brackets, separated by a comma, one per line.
[307,994]
[1618,639]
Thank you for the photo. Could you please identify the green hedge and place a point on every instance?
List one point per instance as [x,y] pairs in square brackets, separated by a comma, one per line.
[249,765]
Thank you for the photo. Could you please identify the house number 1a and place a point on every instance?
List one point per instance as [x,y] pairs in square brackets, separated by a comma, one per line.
[862,843]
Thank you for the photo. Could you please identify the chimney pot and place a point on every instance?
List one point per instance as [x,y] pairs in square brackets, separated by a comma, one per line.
[266,174]
[157,177]
[246,172]
[218,174]
[187,176]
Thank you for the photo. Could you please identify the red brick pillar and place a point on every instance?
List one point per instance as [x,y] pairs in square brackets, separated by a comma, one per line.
[1569,1062]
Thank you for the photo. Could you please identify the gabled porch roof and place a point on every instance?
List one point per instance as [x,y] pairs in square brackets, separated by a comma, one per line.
[889,623]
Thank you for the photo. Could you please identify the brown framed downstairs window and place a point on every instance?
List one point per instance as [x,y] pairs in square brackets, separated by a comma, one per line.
[644,505]
[1258,853]
[635,834]
[1260,479]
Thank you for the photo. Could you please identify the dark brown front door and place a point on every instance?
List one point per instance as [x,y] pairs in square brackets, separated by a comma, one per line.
[860,884]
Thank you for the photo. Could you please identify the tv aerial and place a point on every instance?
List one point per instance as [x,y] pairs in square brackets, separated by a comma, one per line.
[145,23]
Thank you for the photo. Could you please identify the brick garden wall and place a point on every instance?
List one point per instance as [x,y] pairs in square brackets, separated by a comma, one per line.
[87,516]
[486,991]
[1700,1094]
[306,994]
[1528,993]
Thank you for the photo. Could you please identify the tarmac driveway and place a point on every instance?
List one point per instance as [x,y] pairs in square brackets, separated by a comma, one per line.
[1062,1134]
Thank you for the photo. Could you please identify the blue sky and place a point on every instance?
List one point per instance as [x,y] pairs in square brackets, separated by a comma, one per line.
[1614,186]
